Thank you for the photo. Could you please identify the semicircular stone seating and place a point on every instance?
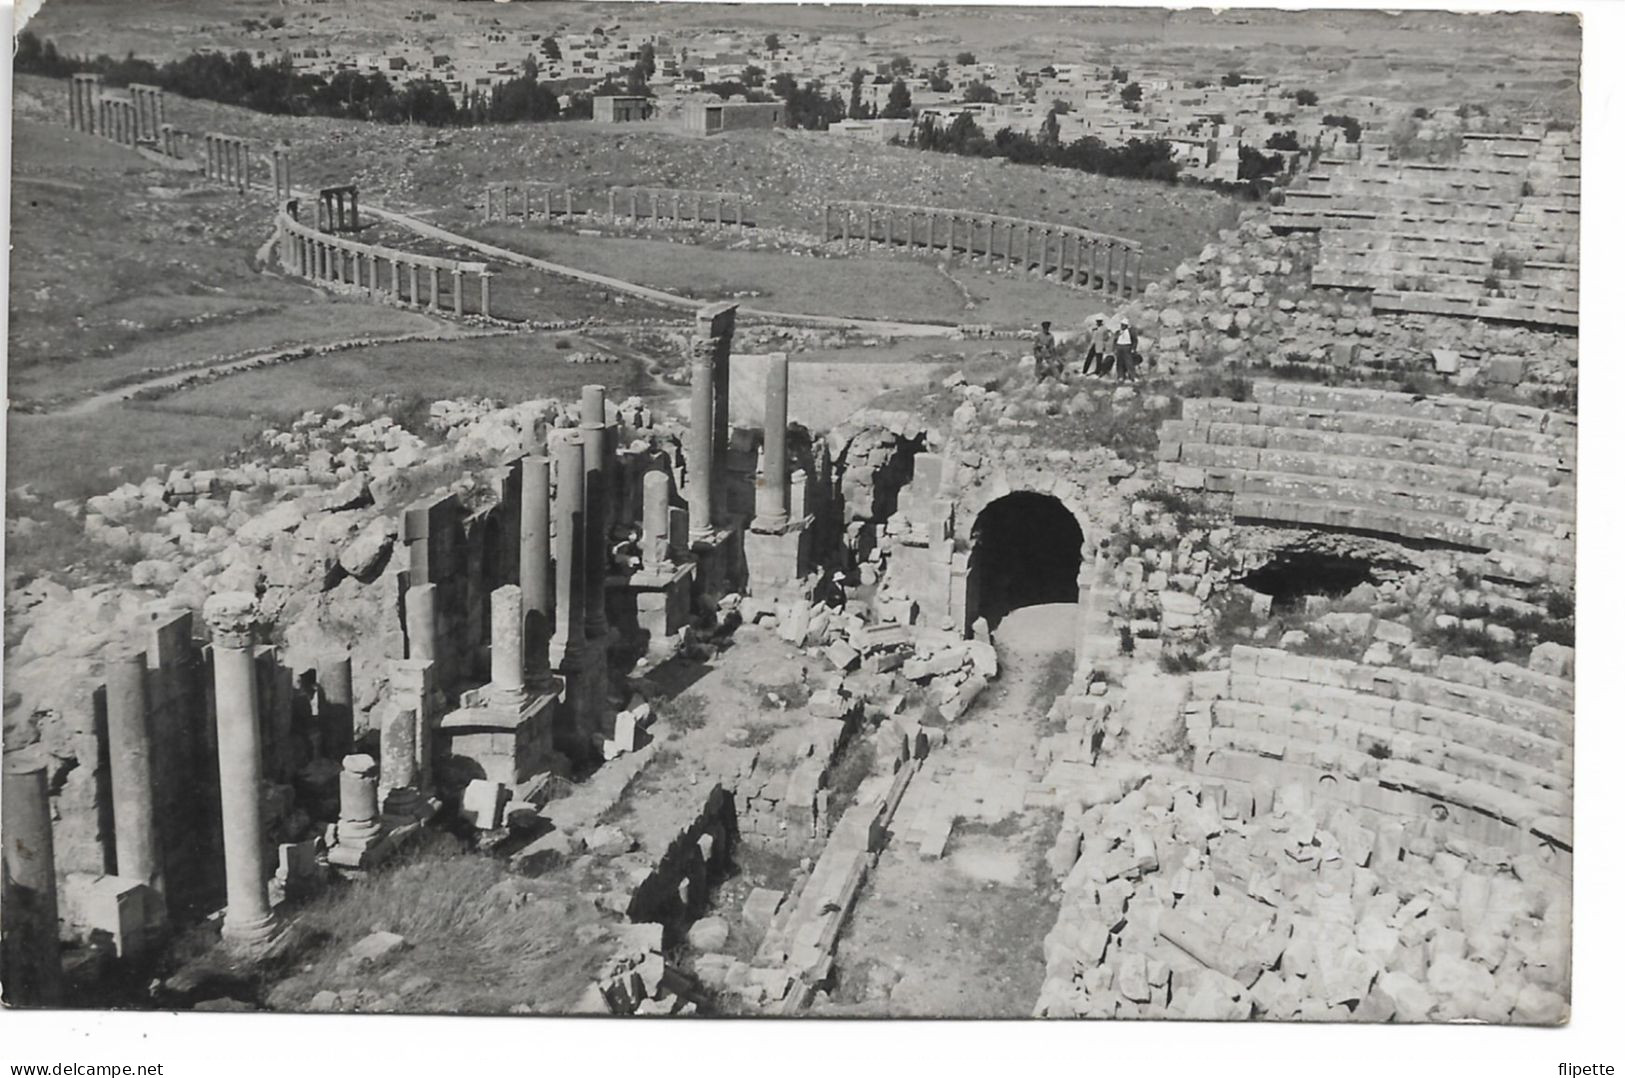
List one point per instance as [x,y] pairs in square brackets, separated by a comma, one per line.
[1492,234]
[1484,748]
[1490,478]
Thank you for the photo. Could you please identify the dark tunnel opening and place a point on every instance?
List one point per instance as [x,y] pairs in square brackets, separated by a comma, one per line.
[1026,551]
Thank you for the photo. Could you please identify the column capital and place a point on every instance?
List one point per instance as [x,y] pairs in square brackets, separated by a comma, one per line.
[233,617]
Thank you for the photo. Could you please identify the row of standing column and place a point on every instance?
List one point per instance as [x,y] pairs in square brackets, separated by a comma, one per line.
[226,160]
[499,203]
[331,262]
[149,110]
[84,97]
[1110,264]
[281,173]
[698,199]
[116,120]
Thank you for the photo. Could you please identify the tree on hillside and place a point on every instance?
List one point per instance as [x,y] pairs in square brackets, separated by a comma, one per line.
[1307,98]
[1119,74]
[1230,78]
[753,76]
[899,103]
[1282,140]
[901,65]
[854,108]
[1131,94]
[965,59]
[772,42]
[550,48]
[1350,125]
[1050,133]
[978,93]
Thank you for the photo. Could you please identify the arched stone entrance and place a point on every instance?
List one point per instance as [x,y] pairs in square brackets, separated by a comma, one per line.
[1026,550]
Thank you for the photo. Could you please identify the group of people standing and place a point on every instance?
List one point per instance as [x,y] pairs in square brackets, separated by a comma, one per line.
[1105,347]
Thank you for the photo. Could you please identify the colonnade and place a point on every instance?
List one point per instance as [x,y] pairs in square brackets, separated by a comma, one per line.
[226,160]
[1074,256]
[527,200]
[381,271]
[676,205]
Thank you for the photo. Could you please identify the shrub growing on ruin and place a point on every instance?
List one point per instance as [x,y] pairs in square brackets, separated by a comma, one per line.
[683,713]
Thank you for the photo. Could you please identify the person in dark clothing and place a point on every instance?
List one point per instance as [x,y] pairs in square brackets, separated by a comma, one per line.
[1097,344]
[1046,357]
[1126,347]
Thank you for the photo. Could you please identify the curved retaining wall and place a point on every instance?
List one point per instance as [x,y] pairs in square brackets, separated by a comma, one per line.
[1483,748]
[1066,255]
[1484,476]
[335,262]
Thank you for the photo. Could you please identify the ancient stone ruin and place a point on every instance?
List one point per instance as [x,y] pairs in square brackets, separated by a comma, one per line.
[1066,255]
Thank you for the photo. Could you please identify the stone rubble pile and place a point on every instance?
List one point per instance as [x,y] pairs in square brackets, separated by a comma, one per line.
[1191,902]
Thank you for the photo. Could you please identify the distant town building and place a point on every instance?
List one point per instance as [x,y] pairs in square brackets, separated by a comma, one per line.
[714,117]
[872,130]
[620,108]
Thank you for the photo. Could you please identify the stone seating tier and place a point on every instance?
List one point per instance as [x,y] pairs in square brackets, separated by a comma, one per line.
[1508,427]
[1497,743]
[1533,494]
[1482,476]
[1505,310]
[1526,476]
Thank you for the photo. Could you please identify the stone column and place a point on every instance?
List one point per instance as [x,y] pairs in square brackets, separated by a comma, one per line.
[485,293]
[569,632]
[457,285]
[887,233]
[699,451]
[931,233]
[596,476]
[398,763]
[656,540]
[535,564]
[547,206]
[412,282]
[333,678]
[507,645]
[507,202]
[249,924]
[433,302]
[129,751]
[773,491]
[33,952]
[524,204]
[372,271]
[846,228]
[394,279]
[359,825]
[423,622]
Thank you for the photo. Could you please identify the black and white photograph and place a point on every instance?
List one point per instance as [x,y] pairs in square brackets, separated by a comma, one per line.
[797,511]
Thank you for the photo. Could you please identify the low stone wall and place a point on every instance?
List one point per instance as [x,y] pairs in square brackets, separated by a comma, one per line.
[1488,477]
[1062,253]
[338,263]
[1484,749]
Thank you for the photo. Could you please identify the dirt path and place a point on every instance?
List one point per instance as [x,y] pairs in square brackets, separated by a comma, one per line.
[962,934]
[176,380]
